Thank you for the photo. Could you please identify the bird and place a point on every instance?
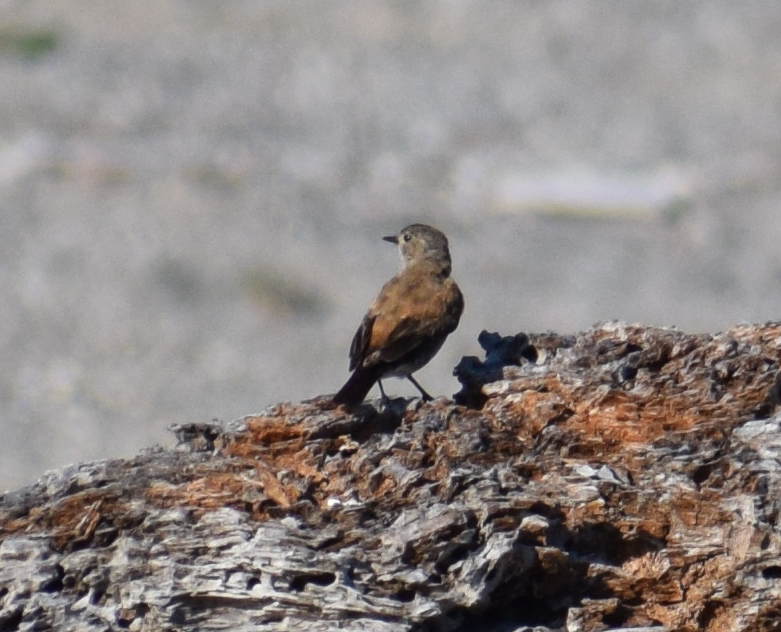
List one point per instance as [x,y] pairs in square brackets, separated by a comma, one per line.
[409,320]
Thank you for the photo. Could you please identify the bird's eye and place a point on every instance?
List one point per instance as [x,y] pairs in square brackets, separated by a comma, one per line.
[407,237]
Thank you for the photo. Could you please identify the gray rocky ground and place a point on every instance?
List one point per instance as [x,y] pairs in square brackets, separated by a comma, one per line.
[192,193]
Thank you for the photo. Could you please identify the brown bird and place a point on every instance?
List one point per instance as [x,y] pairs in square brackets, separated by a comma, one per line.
[410,318]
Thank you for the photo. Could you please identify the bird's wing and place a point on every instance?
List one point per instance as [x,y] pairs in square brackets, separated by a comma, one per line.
[406,336]
[361,341]
[394,332]
[379,339]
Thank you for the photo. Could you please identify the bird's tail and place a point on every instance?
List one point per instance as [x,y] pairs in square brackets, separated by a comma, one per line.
[358,385]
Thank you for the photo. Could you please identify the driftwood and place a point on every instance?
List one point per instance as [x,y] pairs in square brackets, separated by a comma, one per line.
[627,479]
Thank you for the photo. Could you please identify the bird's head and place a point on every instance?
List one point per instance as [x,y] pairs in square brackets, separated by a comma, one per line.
[419,243]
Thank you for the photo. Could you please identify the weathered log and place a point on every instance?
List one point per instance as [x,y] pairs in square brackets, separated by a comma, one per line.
[627,479]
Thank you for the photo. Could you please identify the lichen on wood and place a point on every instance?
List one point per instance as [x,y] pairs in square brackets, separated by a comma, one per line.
[626,477]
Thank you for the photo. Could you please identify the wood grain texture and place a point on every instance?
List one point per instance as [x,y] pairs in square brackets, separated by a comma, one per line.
[629,479]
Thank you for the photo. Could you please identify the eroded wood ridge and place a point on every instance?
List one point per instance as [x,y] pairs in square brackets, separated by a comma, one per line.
[627,479]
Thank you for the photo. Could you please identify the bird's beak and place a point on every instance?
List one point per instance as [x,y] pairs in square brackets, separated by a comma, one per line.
[394,239]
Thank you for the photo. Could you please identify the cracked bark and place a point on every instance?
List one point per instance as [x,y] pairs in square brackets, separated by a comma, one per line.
[623,478]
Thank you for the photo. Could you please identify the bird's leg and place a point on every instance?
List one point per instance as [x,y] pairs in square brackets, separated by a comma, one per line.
[385,399]
[426,396]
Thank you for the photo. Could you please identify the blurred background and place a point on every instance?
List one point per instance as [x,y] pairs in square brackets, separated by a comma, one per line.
[192,194]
